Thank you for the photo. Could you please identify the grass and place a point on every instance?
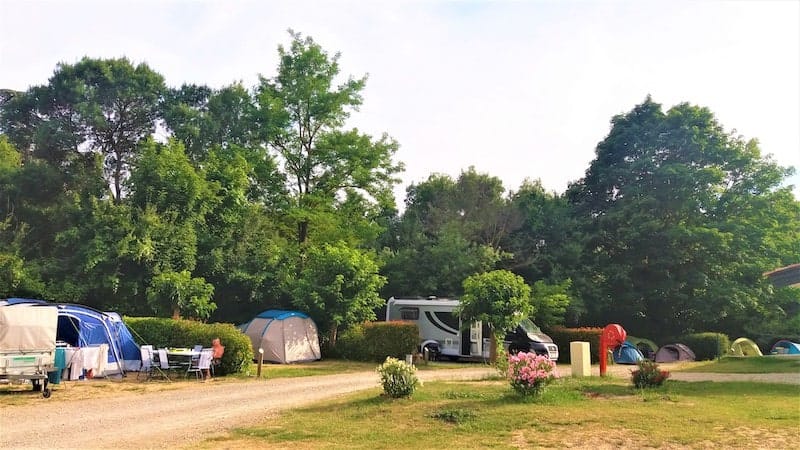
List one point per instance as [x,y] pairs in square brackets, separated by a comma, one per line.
[334,366]
[749,364]
[589,412]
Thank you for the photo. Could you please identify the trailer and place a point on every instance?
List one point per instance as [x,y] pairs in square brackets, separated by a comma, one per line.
[28,344]
[443,333]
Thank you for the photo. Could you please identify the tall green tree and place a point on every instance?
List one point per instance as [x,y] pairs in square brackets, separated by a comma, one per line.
[106,106]
[450,230]
[681,222]
[498,298]
[302,115]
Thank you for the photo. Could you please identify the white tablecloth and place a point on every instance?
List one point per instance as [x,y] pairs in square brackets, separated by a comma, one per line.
[80,359]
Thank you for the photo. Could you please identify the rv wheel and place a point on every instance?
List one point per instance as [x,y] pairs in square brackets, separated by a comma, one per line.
[431,351]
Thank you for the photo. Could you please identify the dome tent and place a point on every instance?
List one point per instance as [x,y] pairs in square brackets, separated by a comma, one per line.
[674,352]
[627,353]
[785,347]
[745,347]
[285,336]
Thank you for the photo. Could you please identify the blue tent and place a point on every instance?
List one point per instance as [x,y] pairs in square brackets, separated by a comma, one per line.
[627,353]
[785,347]
[82,326]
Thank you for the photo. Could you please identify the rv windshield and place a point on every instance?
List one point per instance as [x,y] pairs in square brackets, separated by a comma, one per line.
[534,333]
[529,326]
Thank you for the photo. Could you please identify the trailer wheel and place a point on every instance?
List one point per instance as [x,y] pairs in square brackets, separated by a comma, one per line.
[46,393]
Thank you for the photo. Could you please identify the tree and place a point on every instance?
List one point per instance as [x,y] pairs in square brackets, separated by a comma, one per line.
[450,230]
[679,216]
[103,105]
[302,114]
[499,298]
[180,293]
[338,286]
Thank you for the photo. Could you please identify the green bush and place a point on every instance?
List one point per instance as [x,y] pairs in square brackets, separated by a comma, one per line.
[162,333]
[374,341]
[398,378]
[707,346]
[562,336]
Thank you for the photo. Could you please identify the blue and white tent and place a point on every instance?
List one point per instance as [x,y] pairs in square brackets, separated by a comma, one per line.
[82,326]
[785,347]
[627,353]
[284,336]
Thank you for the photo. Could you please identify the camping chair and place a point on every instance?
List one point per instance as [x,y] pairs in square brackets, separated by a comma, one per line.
[146,352]
[200,364]
[163,363]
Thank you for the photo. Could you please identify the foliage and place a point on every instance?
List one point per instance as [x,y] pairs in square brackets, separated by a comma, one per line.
[162,333]
[648,375]
[337,286]
[451,229]
[550,302]
[374,341]
[707,345]
[498,298]
[530,373]
[562,336]
[398,378]
[303,113]
[179,292]
[681,220]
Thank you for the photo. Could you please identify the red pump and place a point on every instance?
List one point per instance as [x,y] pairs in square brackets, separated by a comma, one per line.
[612,337]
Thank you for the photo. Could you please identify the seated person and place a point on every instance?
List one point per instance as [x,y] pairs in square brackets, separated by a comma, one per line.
[218,351]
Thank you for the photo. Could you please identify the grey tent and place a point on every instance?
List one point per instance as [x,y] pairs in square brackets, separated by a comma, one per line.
[285,336]
[674,352]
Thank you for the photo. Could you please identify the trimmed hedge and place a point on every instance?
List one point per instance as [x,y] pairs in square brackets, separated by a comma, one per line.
[161,332]
[375,341]
[562,336]
[707,346]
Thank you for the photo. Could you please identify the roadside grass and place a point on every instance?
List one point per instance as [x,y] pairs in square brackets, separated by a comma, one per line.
[590,412]
[333,366]
[748,364]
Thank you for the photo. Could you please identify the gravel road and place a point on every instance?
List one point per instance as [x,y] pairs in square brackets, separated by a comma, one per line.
[179,417]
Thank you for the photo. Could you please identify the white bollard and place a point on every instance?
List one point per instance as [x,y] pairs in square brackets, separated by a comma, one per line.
[579,359]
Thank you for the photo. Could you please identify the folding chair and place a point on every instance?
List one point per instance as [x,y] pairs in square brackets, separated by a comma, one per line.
[202,363]
[163,363]
[146,352]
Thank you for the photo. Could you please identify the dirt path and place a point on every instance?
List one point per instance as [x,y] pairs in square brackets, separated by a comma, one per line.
[179,417]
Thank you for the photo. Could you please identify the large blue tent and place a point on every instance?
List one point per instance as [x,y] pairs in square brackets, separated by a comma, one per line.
[785,347]
[82,326]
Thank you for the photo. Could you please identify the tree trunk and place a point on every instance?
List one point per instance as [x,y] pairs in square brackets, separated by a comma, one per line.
[332,336]
[493,349]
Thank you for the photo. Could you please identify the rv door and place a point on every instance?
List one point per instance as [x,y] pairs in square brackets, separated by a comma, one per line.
[475,339]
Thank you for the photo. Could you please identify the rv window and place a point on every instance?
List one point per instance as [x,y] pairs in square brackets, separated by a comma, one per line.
[409,313]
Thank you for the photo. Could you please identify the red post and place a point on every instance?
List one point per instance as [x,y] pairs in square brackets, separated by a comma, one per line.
[613,336]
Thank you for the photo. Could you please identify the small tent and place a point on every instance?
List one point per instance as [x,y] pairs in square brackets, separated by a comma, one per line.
[785,347]
[674,352]
[745,347]
[627,353]
[82,326]
[285,336]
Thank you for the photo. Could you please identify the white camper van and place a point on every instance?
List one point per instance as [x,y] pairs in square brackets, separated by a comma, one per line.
[442,333]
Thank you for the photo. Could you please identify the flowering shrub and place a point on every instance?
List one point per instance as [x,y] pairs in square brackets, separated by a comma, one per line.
[529,373]
[398,378]
[648,375]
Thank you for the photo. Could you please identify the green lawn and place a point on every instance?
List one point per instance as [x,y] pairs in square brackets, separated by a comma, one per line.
[590,412]
[749,364]
[333,366]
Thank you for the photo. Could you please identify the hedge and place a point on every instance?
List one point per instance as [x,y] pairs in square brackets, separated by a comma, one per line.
[562,336]
[161,332]
[374,341]
[707,346]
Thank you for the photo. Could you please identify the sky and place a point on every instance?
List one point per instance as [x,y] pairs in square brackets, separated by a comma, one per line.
[516,89]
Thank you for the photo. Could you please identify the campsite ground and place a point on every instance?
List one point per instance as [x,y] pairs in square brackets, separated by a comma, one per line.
[131,414]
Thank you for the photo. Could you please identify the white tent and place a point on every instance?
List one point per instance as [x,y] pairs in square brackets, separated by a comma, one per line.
[285,336]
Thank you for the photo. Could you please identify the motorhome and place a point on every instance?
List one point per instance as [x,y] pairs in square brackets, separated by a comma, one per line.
[443,334]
